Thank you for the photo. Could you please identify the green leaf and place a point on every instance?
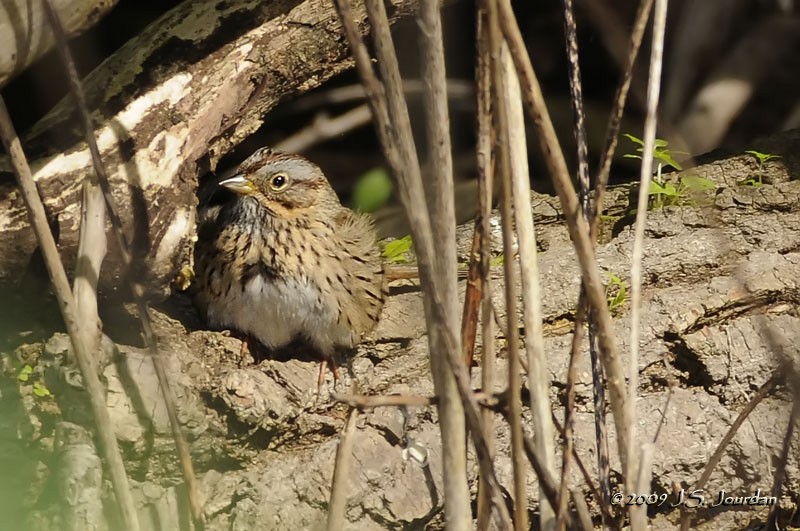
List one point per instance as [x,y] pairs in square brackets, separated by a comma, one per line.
[372,190]
[631,156]
[670,190]
[655,188]
[40,390]
[762,157]
[634,139]
[617,300]
[395,251]
[25,373]
[752,181]
[666,158]
[498,260]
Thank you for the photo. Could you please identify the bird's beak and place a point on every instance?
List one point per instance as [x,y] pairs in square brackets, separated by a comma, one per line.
[239,184]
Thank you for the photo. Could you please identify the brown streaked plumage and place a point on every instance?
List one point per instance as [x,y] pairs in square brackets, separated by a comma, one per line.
[284,260]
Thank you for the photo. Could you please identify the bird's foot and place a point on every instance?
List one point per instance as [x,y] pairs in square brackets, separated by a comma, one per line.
[323,368]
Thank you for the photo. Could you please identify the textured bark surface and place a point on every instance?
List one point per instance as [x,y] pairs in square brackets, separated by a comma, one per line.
[721,305]
[167,106]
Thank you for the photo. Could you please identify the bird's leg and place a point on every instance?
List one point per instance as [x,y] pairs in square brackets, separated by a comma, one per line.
[327,359]
[245,350]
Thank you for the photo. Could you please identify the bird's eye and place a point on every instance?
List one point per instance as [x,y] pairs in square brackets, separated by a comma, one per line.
[279,182]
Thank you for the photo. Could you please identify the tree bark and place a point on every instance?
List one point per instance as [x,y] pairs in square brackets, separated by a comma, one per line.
[168,105]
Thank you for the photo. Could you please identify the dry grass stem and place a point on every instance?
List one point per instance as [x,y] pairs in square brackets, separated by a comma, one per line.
[548,483]
[388,107]
[538,373]
[578,228]
[439,192]
[485,166]
[632,481]
[601,182]
[366,401]
[620,98]
[499,54]
[587,477]
[101,180]
[780,468]
[341,474]
[66,303]
[569,412]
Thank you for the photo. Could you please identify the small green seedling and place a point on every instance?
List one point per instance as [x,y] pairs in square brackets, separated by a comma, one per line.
[684,193]
[661,152]
[616,292]
[498,260]
[663,156]
[396,251]
[757,179]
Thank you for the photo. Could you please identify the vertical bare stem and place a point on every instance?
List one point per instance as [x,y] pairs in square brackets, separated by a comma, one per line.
[341,474]
[389,110]
[443,225]
[485,185]
[33,203]
[780,469]
[124,248]
[500,60]
[578,227]
[91,251]
[598,379]
[638,515]
[569,411]
[538,375]
[621,96]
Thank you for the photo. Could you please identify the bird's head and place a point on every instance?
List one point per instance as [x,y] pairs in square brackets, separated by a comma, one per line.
[285,185]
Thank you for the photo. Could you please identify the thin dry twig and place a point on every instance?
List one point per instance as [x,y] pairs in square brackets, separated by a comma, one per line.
[125,251]
[499,54]
[66,303]
[601,183]
[367,402]
[532,316]
[548,482]
[437,271]
[578,227]
[457,90]
[395,133]
[485,165]
[584,187]
[441,205]
[617,110]
[604,507]
[780,468]
[569,412]
[638,513]
[341,473]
